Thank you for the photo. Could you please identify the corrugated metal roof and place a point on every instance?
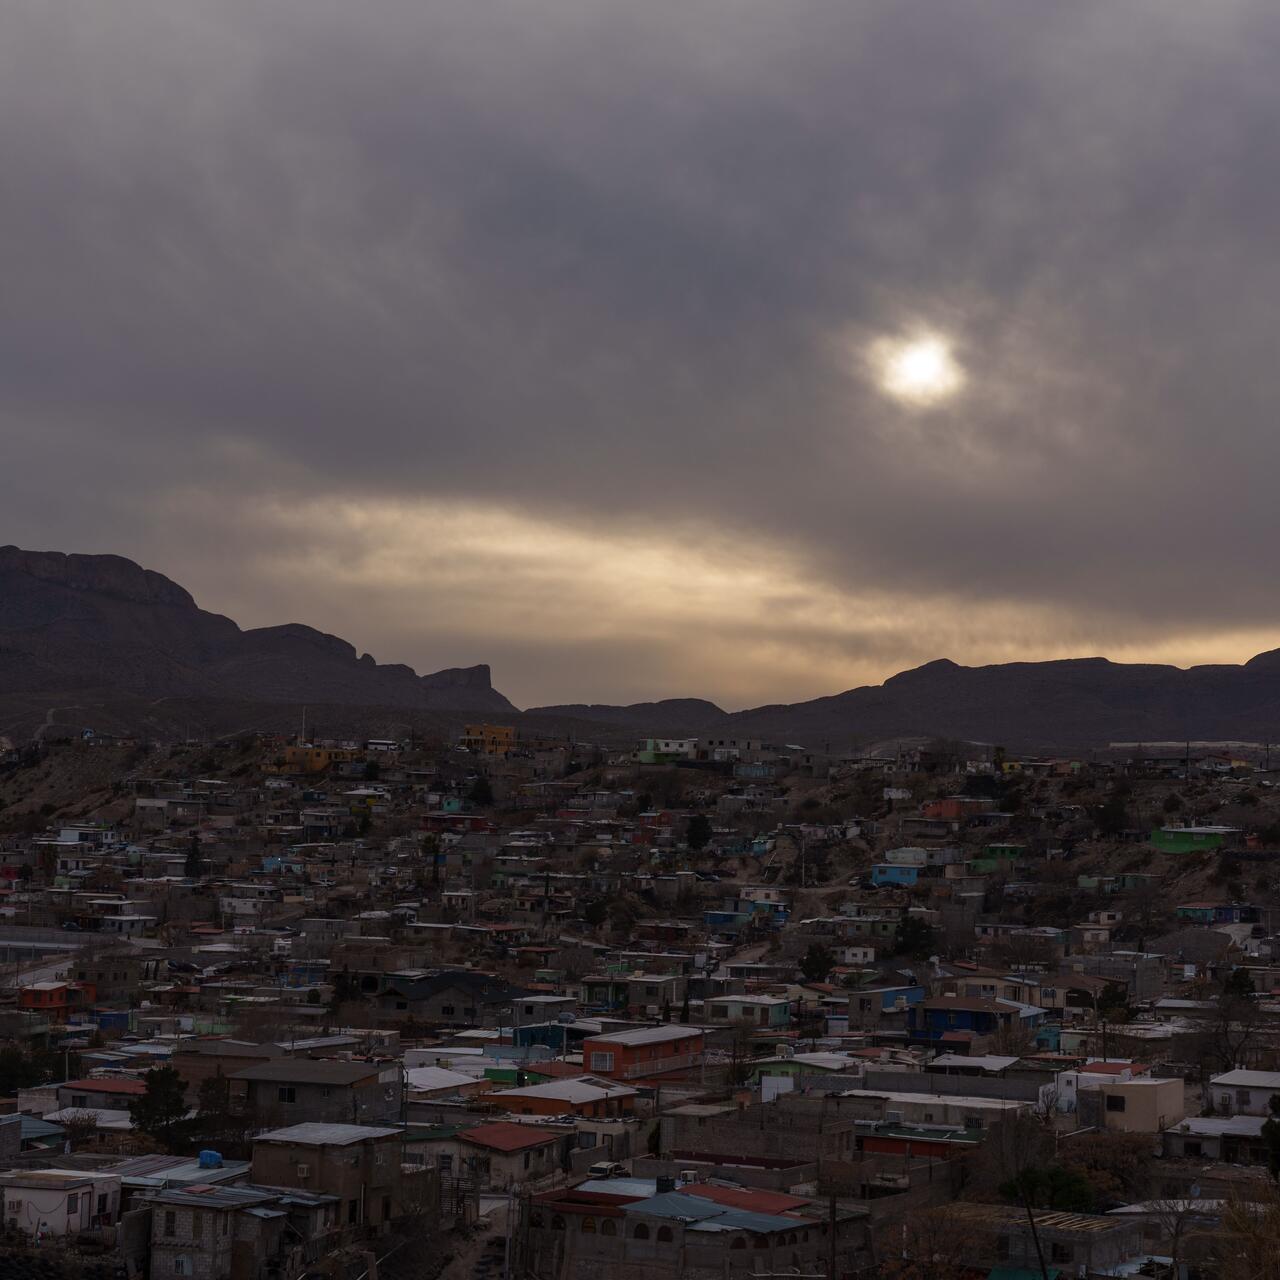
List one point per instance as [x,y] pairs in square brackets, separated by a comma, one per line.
[314,1134]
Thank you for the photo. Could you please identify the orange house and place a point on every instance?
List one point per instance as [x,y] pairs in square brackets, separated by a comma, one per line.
[644,1052]
[582,1096]
[57,1000]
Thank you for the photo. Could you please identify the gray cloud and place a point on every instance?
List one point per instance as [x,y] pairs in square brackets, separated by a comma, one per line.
[615,268]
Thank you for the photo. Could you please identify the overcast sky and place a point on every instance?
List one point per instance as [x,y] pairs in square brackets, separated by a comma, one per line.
[750,349]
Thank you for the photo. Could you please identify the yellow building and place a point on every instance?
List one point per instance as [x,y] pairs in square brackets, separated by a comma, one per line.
[489,739]
[308,759]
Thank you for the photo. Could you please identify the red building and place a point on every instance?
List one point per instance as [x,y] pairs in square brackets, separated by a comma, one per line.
[645,1052]
[57,1000]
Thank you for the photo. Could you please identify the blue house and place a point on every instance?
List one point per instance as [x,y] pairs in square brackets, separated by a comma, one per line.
[894,873]
[961,1017]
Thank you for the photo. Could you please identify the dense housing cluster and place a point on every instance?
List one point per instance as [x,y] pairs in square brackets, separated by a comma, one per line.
[293,1007]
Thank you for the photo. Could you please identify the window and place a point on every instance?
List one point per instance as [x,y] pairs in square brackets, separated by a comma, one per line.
[602,1062]
[446,1164]
[1061,1252]
[608,1227]
[739,1242]
[446,1010]
[79,1100]
[719,1011]
[386,1208]
[182,1265]
[1191,1149]
[664,1235]
[73,1202]
[353,1210]
[1243,1097]
[1115,1102]
[641,1232]
[102,1204]
[170,1223]
[286,1093]
[588,1226]
[557,1223]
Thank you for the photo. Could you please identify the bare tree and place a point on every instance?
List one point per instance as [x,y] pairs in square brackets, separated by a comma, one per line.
[1247,1246]
[946,1242]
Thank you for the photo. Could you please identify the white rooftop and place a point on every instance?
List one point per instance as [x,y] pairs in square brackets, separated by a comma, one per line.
[1248,1079]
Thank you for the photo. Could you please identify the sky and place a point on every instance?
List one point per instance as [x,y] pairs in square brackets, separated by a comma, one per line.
[744,349]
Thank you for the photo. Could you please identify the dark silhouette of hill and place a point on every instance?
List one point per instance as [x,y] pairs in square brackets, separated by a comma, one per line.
[78,625]
[100,631]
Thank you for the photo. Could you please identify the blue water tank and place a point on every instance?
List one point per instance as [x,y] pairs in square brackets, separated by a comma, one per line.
[210,1160]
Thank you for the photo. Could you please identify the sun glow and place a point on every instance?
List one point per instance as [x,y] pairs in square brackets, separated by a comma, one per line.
[918,371]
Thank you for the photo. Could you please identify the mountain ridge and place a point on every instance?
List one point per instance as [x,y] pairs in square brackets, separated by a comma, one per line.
[103,626]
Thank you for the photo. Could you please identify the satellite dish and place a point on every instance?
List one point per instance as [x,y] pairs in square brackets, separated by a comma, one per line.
[1195,1191]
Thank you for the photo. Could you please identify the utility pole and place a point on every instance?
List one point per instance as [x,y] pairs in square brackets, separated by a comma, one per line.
[506,1257]
[831,1266]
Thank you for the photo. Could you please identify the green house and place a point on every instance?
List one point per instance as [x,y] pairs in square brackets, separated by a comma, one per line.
[1191,839]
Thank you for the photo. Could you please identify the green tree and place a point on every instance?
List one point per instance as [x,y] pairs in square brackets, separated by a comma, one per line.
[193,868]
[915,938]
[697,834]
[1271,1136]
[214,1098]
[1112,816]
[158,1111]
[1051,1187]
[1239,983]
[481,793]
[817,962]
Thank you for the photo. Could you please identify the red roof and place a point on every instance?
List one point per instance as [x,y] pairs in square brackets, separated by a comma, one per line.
[556,1069]
[750,1199]
[137,1087]
[507,1136]
[1113,1068]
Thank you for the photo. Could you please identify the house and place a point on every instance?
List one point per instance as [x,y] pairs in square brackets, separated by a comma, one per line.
[756,1011]
[498,1156]
[460,996]
[58,1202]
[542,1008]
[321,1091]
[950,1021]
[357,1164]
[1072,1243]
[99,1093]
[1193,839]
[598,1229]
[1248,1093]
[1145,1105]
[645,1052]
[580,1096]
[1233,1140]
[56,1000]
[212,1232]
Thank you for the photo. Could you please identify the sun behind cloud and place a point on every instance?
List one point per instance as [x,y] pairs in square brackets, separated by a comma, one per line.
[920,370]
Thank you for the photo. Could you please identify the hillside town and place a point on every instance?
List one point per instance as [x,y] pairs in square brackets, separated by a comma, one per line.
[500,1006]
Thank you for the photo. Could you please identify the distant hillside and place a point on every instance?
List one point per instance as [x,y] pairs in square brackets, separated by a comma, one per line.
[1076,701]
[100,632]
[101,625]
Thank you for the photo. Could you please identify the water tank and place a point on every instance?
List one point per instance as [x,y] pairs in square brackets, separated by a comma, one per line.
[209,1160]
